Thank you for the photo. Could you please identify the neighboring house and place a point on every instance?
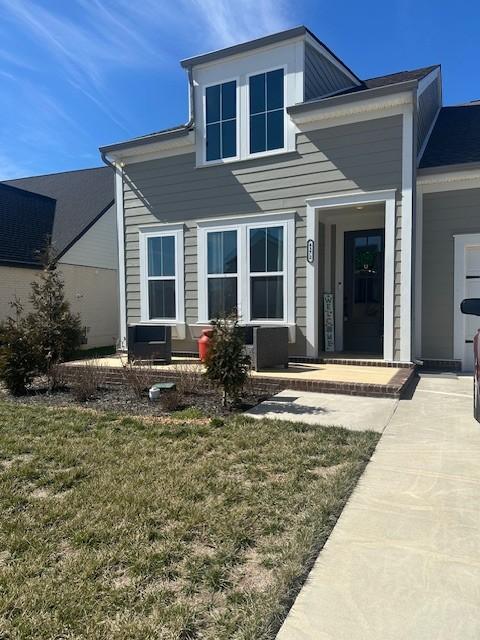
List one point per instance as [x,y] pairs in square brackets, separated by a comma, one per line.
[76,211]
[295,178]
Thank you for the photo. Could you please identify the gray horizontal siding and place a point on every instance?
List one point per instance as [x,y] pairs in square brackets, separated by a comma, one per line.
[365,156]
[445,214]
[321,77]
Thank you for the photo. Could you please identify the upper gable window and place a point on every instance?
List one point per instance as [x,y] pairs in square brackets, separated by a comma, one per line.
[221,121]
[266,116]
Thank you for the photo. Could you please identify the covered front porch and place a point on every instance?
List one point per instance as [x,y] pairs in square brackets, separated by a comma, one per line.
[357,306]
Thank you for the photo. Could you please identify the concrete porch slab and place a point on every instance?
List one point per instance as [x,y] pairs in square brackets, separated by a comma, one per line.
[328,409]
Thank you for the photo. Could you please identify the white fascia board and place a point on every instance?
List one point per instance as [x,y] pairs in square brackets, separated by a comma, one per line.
[367,109]
[425,82]
[427,137]
[449,180]
[154,150]
[246,54]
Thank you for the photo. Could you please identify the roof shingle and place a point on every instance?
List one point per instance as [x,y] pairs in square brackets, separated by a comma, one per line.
[80,198]
[455,138]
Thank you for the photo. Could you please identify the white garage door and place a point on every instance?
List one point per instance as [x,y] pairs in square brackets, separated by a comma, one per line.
[472,290]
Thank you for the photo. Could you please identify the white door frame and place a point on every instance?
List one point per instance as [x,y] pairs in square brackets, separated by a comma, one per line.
[314,207]
[462,243]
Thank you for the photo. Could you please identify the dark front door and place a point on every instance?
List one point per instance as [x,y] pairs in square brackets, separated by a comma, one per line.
[363,291]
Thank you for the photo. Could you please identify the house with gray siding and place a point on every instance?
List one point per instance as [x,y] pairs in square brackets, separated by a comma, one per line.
[294,183]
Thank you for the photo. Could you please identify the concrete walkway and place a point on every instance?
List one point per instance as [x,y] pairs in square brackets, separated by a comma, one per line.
[330,409]
[403,562]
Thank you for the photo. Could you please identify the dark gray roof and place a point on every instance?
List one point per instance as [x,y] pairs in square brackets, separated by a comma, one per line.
[26,222]
[401,76]
[81,197]
[455,138]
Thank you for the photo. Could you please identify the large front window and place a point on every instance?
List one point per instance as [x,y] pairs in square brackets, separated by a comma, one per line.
[246,265]
[222,270]
[266,111]
[266,273]
[221,121]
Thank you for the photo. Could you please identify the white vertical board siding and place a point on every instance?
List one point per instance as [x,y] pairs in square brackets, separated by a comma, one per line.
[363,156]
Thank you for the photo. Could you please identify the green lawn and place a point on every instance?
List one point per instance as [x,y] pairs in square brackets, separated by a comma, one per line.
[115,528]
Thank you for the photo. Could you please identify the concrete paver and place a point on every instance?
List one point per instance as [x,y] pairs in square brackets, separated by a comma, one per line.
[403,561]
[352,412]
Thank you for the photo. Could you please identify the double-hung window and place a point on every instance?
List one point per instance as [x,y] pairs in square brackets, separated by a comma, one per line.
[161,273]
[221,121]
[266,111]
[247,265]
[222,273]
[266,273]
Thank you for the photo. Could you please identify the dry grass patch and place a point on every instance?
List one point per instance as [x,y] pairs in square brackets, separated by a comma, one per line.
[164,531]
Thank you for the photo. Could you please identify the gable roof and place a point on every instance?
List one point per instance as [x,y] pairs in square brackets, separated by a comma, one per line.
[81,197]
[455,138]
[26,221]
[257,43]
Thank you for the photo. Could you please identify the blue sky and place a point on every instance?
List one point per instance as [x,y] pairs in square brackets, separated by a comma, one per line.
[75,74]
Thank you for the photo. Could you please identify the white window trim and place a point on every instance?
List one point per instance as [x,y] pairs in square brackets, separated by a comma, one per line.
[157,231]
[246,134]
[243,226]
[209,163]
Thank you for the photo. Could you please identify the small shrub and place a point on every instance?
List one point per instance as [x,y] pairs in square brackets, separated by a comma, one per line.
[227,364]
[170,400]
[85,381]
[55,331]
[18,357]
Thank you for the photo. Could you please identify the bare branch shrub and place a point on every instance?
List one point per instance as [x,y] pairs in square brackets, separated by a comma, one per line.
[137,379]
[189,378]
[86,380]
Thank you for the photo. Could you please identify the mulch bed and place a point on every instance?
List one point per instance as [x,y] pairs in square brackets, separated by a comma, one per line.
[206,403]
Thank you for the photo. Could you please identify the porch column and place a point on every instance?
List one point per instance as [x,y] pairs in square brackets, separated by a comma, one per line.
[312,283]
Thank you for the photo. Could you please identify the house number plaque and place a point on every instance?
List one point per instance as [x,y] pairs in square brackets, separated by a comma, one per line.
[310,251]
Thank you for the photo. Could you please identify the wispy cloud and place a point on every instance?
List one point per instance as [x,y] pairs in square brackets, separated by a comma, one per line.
[67,58]
[228,22]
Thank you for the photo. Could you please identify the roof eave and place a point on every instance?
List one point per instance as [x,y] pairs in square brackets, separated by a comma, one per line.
[161,136]
[358,96]
[250,45]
